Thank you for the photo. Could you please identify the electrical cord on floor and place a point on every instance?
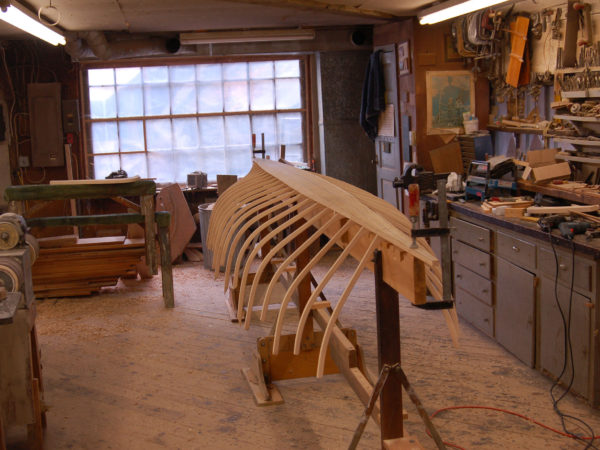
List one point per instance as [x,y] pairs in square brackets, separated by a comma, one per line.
[568,358]
[512,413]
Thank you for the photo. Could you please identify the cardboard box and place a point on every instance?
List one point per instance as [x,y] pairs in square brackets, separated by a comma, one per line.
[551,172]
[541,166]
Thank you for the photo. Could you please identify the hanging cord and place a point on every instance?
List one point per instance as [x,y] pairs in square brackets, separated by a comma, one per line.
[567,350]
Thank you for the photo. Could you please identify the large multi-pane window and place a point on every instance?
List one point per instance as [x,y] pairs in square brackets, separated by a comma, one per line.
[167,121]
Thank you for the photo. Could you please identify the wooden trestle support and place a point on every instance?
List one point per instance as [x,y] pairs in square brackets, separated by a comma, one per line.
[261,232]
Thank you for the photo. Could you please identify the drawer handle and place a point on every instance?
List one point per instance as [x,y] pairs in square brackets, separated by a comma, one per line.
[562,266]
[480,239]
[459,276]
[515,248]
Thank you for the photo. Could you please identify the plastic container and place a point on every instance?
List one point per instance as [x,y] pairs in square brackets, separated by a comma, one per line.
[204,210]
[471,126]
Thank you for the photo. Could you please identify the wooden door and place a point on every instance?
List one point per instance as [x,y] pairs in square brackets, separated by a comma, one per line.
[387,148]
[515,310]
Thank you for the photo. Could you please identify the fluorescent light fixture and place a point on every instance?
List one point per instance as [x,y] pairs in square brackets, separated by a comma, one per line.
[453,8]
[20,19]
[231,37]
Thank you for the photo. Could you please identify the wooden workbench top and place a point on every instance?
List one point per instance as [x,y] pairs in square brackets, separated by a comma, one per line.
[587,195]
[532,229]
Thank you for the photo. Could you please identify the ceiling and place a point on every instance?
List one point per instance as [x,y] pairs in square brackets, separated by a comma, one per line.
[147,16]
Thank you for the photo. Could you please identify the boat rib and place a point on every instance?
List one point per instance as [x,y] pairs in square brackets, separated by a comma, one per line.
[279,213]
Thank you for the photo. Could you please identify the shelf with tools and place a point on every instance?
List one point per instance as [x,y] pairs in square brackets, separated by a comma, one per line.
[570,70]
[584,93]
[514,129]
[582,159]
[577,141]
[577,118]
[582,145]
[579,110]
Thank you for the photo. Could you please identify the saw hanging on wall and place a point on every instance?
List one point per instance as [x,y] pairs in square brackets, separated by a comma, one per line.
[518,30]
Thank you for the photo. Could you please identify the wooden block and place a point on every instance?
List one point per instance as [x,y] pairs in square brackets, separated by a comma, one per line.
[529,219]
[403,443]
[57,241]
[182,227]
[514,212]
[259,398]
[551,172]
[562,209]
[447,158]
[193,255]
[224,182]
[486,207]
[546,156]
[285,365]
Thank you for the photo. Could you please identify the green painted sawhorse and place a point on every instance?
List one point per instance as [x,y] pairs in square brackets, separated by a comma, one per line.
[151,220]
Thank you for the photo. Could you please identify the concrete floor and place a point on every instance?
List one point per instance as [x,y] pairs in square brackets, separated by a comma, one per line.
[122,372]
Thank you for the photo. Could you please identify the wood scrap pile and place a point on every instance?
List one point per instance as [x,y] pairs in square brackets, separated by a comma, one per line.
[508,207]
[70,266]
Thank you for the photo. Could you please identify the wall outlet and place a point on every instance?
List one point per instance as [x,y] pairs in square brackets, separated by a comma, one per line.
[23,161]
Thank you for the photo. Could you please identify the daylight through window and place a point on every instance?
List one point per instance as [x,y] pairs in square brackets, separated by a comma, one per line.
[167,121]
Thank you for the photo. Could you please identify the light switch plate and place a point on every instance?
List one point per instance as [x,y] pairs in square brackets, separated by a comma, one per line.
[23,161]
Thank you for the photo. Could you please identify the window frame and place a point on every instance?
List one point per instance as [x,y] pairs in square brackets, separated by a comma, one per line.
[305,110]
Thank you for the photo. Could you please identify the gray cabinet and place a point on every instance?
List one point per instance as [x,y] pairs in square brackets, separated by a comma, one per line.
[472,272]
[552,343]
[506,283]
[515,310]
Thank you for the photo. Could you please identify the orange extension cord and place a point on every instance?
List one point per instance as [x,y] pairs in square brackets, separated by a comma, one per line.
[505,411]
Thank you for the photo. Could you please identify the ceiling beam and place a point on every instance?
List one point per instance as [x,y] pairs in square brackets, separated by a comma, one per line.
[323,6]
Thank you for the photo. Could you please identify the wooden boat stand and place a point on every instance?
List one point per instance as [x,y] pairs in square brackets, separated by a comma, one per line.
[344,356]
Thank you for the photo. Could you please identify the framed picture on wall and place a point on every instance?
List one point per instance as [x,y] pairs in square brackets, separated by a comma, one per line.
[403,58]
[450,53]
[450,94]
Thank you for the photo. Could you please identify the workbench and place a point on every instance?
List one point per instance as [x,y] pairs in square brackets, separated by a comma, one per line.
[504,273]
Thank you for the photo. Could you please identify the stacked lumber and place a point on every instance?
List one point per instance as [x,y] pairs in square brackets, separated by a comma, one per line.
[82,266]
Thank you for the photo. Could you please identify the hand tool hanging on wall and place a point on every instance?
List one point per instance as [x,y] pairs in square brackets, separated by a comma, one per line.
[518,40]
[585,21]
[556,24]
[569,54]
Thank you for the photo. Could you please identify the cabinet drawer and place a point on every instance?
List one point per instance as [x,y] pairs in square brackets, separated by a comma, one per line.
[584,269]
[517,251]
[478,314]
[474,284]
[475,235]
[467,256]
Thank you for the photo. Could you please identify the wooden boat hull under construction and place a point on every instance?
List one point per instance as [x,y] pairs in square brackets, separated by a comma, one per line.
[270,218]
